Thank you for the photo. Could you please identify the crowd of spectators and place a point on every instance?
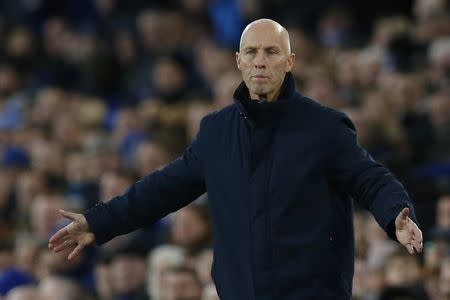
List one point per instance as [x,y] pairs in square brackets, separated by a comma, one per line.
[94,94]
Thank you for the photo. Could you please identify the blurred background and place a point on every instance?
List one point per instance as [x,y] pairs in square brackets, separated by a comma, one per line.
[95,94]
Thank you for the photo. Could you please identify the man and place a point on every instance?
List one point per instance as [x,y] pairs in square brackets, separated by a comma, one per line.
[181,283]
[279,169]
[59,288]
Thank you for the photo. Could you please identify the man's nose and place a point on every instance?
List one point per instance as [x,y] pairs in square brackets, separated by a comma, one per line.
[260,60]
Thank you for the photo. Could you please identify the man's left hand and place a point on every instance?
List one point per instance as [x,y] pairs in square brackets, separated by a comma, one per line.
[407,232]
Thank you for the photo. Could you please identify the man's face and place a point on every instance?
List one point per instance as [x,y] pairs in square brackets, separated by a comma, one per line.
[264,59]
[443,213]
[180,286]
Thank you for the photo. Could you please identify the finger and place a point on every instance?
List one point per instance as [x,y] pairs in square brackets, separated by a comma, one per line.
[417,232]
[414,232]
[410,248]
[414,245]
[418,238]
[69,215]
[417,245]
[75,251]
[64,245]
[55,245]
[404,214]
[402,218]
[58,236]
[417,248]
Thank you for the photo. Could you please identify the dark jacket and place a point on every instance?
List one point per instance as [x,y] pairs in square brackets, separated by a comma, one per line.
[279,178]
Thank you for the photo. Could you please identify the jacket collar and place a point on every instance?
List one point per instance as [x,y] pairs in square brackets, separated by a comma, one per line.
[263,112]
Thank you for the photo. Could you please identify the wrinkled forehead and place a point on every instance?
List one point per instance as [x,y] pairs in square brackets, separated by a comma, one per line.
[265,35]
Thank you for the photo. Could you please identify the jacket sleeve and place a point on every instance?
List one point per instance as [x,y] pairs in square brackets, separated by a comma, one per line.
[367,181]
[151,198]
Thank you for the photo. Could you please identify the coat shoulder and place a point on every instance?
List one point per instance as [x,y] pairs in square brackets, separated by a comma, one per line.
[321,113]
[219,116]
[317,109]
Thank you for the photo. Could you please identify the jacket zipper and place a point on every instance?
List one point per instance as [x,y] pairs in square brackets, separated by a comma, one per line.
[248,127]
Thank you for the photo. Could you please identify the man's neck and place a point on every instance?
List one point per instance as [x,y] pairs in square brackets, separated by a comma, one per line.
[266,97]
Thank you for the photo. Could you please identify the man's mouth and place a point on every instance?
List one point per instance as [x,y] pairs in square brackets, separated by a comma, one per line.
[260,76]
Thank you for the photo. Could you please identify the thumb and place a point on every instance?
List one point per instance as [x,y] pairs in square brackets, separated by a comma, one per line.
[402,217]
[404,214]
[67,214]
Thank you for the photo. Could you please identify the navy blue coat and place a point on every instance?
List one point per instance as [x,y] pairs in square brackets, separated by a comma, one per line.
[280,177]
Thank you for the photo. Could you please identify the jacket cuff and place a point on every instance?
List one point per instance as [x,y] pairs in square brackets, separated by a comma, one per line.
[390,231]
[97,218]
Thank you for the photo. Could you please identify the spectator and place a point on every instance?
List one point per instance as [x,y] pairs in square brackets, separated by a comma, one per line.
[57,288]
[181,284]
[444,279]
[160,260]
[127,275]
[22,293]
[191,229]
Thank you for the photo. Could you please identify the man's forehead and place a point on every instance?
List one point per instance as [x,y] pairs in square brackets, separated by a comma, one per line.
[263,41]
[264,34]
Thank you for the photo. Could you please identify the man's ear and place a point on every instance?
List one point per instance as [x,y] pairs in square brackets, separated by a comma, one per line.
[290,62]
[238,60]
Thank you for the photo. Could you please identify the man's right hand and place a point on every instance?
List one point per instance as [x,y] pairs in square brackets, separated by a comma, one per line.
[75,235]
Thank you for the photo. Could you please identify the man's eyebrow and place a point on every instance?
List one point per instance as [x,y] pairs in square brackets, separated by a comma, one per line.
[246,48]
[271,47]
[274,47]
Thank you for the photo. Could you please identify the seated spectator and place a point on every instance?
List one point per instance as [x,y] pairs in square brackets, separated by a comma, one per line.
[444,279]
[149,157]
[180,283]
[58,288]
[203,264]
[210,292]
[161,259]
[127,274]
[191,229]
[22,293]
[44,215]
[402,270]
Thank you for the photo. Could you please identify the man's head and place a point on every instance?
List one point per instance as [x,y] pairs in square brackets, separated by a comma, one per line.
[401,269]
[443,212]
[59,288]
[22,293]
[264,58]
[181,283]
[127,271]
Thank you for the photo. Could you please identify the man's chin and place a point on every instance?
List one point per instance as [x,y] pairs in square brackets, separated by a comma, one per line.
[260,91]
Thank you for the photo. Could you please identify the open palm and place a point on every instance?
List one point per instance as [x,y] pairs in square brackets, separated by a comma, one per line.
[75,235]
[408,233]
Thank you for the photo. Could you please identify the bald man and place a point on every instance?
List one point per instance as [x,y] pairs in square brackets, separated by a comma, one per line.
[280,171]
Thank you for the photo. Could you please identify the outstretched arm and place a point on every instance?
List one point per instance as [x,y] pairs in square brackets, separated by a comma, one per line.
[146,201]
[149,199]
[372,186]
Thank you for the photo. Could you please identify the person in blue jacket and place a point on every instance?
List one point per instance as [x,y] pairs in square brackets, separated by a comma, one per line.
[280,171]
